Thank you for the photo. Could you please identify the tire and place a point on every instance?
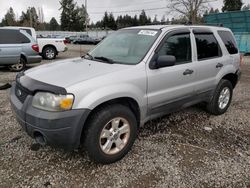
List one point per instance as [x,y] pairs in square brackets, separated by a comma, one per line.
[21,65]
[49,53]
[102,122]
[216,107]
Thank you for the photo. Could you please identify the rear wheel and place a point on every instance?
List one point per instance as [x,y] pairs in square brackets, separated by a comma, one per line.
[221,99]
[110,134]
[49,53]
[21,65]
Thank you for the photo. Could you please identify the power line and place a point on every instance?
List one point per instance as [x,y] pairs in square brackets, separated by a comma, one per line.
[129,11]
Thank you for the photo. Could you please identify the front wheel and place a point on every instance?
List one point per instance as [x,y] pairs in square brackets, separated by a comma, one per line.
[110,134]
[21,65]
[221,99]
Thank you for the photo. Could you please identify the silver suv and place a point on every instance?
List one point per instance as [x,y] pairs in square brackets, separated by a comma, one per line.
[134,75]
[17,48]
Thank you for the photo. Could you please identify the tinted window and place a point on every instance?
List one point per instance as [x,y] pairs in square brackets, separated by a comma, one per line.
[229,41]
[178,46]
[28,31]
[207,46]
[23,38]
[9,36]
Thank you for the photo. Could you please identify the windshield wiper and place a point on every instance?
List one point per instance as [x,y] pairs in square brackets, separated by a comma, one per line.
[90,56]
[105,59]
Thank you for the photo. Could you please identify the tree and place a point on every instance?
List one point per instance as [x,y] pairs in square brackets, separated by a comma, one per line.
[232,5]
[105,20]
[109,21]
[163,19]
[68,15]
[190,9]
[9,18]
[30,18]
[143,19]
[53,25]
[155,21]
[246,7]
[82,17]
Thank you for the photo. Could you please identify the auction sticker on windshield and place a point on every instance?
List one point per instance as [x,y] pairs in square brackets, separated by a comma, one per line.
[147,32]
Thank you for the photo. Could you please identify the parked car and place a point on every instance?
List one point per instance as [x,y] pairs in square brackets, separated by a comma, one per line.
[71,38]
[86,40]
[49,48]
[17,48]
[135,75]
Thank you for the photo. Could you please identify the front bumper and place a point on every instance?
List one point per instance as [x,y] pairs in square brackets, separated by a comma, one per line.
[59,129]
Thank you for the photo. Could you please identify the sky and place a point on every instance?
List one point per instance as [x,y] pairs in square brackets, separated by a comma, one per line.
[96,8]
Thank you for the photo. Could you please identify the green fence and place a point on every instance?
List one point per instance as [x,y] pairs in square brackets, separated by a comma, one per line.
[238,22]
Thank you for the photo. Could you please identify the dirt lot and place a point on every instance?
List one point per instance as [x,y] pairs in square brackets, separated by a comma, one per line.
[186,149]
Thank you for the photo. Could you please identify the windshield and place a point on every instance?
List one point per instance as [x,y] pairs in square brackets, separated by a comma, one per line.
[126,46]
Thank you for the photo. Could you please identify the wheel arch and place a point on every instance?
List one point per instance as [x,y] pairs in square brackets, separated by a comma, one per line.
[24,57]
[50,45]
[232,77]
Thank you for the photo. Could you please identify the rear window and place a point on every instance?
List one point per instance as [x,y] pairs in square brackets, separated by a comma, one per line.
[229,41]
[207,46]
[23,38]
[28,31]
[8,36]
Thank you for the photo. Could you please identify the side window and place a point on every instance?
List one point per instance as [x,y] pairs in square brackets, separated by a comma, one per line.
[229,41]
[179,46]
[28,31]
[23,38]
[207,46]
[8,36]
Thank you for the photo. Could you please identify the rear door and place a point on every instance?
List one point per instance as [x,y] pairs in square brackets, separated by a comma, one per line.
[209,60]
[10,46]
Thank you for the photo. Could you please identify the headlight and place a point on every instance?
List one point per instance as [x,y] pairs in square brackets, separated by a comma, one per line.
[51,102]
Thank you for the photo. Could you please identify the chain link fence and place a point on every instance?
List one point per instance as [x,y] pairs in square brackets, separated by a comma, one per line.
[94,34]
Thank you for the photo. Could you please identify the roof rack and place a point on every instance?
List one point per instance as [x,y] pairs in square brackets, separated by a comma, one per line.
[205,24]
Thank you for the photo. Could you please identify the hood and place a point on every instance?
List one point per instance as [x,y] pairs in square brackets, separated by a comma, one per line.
[72,71]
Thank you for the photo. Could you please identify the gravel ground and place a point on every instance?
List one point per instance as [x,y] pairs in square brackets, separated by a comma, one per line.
[186,149]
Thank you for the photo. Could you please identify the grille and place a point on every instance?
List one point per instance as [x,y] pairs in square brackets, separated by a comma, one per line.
[21,93]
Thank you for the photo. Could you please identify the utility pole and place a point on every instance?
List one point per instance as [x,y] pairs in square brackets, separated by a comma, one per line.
[86,17]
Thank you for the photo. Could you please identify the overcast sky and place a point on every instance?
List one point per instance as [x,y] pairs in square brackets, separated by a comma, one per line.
[96,8]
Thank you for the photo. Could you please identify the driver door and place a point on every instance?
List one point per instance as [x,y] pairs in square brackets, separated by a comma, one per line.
[170,88]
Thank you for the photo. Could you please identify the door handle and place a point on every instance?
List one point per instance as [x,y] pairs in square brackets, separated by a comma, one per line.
[188,71]
[219,65]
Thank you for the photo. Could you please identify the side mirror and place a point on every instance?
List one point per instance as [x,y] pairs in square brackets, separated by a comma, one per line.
[165,61]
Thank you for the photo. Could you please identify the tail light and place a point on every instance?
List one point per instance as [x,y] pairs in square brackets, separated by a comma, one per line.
[65,41]
[241,59]
[35,47]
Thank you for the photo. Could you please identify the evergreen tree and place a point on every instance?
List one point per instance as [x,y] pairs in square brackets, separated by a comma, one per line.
[155,21]
[30,18]
[82,17]
[135,21]
[163,19]
[105,20]
[9,18]
[143,19]
[68,15]
[232,5]
[53,25]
